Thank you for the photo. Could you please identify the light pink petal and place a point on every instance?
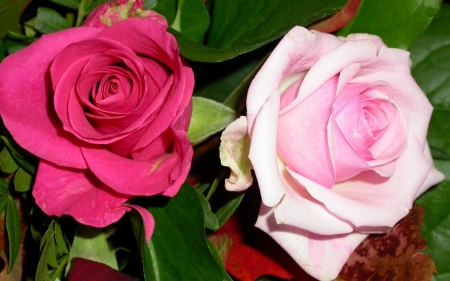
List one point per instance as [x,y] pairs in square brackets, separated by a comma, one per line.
[25,102]
[147,219]
[320,256]
[333,62]
[305,125]
[263,152]
[296,52]
[62,191]
[348,162]
[371,200]
[297,203]
[408,97]
[434,177]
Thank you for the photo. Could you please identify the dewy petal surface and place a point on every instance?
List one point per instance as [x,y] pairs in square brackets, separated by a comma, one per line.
[25,99]
[320,256]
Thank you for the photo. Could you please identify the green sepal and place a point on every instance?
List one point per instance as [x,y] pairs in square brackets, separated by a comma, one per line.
[13,229]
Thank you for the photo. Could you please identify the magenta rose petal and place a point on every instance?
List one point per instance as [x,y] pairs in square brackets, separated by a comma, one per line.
[147,219]
[312,158]
[371,200]
[320,256]
[77,193]
[139,177]
[25,99]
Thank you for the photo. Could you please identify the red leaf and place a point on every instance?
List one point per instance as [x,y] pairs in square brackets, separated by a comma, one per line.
[90,270]
[392,256]
[338,20]
[253,253]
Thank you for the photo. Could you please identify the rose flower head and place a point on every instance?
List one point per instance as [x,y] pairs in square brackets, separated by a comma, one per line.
[106,108]
[338,144]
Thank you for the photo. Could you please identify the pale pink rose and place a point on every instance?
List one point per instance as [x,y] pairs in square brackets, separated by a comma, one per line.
[106,109]
[338,143]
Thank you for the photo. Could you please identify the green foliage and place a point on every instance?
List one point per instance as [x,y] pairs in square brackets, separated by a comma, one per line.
[435,227]
[71,4]
[191,20]
[49,21]
[22,180]
[208,117]
[209,217]
[91,243]
[240,26]
[225,212]
[13,228]
[10,11]
[399,23]
[178,249]
[430,56]
[7,163]
[54,254]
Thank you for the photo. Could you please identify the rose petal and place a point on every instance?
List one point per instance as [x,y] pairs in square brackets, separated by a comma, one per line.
[263,154]
[25,98]
[134,177]
[295,53]
[306,124]
[320,256]
[63,191]
[408,97]
[371,200]
[297,202]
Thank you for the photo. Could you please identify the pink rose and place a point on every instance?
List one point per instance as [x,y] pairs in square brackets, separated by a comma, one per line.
[338,144]
[106,109]
[110,13]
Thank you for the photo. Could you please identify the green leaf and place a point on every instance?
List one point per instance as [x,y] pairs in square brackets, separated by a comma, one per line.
[7,163]
[225,212]
[10,11]
[191,20]
[208,118]
[167,8]
[59,239]
[53,258]
[399,23]
[90,243]
[13,229]
[251,22]
[72,4]
[240,26]
[431,70]
[42,272]
[209,217]
[4,186]
[22,180]
[3,202]
[218,258]
[178,249]
[49,21]
[435,227]
[20,155]
[227,82]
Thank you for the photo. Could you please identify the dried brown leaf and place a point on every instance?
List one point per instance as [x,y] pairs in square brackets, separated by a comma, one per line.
[394,256]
